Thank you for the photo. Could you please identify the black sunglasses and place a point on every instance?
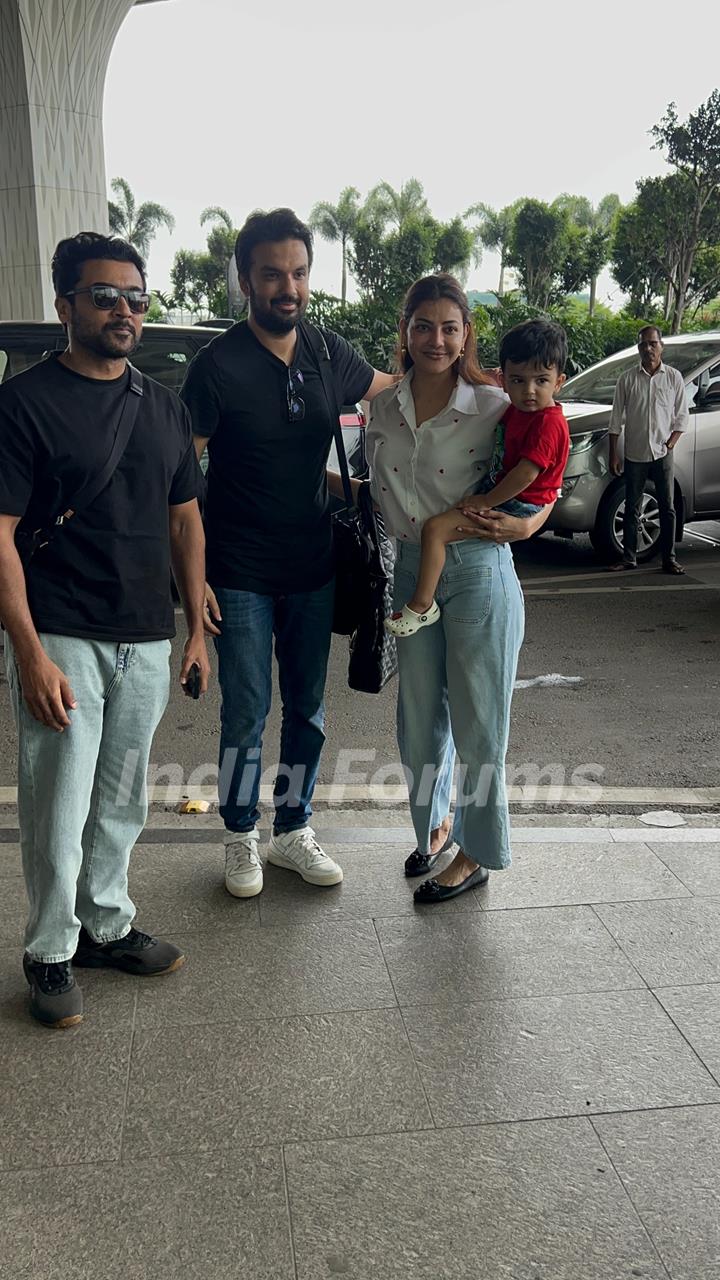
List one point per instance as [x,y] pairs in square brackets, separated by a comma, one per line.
[106,297]
[295,402]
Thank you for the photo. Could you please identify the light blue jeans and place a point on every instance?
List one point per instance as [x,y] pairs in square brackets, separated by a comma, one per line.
[456,684]
[82,798]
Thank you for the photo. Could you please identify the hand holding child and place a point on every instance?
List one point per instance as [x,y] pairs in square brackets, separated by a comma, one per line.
[475,502]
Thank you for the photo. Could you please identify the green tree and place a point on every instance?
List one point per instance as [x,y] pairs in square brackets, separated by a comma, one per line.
[386,263]
[221,249]
[138,223]
[386,205]
[657,239]
[453,250]
[337,223]
[692,147]
[635,259]
[222,234]
[370,326]
[538,247]
[589,240]
[199,278]
[704,283]
[198,284]
[493,231]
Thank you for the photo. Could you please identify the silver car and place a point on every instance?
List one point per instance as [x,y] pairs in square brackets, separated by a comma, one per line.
[593,500]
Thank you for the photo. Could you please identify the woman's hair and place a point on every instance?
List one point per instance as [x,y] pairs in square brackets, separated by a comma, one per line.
[435,289]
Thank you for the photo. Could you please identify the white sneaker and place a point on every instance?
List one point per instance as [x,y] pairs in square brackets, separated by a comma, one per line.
[299,851]
[243,868]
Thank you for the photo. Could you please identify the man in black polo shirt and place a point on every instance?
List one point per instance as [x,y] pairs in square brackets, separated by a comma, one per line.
[256,399]
[88,622]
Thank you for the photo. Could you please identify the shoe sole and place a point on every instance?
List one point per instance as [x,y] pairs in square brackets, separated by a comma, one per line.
[245,893]
[278,860]
[61,1025]
[121,968]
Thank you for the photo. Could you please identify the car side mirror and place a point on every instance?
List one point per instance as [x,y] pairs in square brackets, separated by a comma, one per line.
[707,400]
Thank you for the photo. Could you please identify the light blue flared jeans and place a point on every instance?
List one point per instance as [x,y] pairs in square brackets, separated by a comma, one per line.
[456,684]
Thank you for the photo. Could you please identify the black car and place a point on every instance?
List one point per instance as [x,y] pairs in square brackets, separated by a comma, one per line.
[164,353]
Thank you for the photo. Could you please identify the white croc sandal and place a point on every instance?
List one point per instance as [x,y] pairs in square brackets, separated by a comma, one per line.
[407,622]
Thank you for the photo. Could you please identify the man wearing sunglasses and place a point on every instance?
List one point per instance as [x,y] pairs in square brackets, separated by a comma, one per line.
[89,616]
[256,398]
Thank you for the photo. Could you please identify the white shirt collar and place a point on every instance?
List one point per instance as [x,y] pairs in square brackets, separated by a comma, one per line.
[462,399]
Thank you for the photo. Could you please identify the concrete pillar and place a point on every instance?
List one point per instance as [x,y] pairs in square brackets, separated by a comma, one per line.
[53,60]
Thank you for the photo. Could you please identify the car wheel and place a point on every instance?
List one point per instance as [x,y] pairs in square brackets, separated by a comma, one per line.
[607,535]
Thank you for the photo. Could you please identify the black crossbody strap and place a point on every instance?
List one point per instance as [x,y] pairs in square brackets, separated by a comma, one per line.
[319,346]
[95,485]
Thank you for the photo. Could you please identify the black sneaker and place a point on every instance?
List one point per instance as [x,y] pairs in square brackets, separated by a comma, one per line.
[55,999]
[135,953]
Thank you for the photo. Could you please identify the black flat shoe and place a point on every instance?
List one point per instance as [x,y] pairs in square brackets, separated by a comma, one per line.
[418,864]
[430,891]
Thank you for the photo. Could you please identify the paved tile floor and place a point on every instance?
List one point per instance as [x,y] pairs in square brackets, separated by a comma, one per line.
[521,1085]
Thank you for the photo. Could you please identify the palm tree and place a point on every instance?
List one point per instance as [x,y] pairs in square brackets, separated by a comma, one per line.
[216,213]
[222,234]
[337,222]
[597,222]
[385,204]
[494,232]
[137,223]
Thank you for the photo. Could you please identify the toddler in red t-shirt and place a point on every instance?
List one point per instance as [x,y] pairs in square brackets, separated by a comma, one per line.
[526,471]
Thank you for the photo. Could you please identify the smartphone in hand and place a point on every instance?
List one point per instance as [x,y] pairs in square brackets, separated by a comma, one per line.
[192,684]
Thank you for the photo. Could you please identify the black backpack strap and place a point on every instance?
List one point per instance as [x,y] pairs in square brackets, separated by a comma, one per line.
[319,347]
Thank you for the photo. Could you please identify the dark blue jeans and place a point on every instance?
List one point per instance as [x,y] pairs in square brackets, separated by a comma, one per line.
[301,625]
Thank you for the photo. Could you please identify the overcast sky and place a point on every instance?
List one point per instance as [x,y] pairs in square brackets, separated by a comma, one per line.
[262,104]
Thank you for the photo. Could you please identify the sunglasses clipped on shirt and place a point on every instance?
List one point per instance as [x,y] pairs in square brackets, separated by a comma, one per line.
[105,297]
[295,402]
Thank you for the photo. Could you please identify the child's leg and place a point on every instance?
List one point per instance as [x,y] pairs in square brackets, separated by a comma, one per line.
[421,610]
[437,532]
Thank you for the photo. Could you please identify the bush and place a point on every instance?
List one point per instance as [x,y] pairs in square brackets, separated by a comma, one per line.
[372,327]
[589,340]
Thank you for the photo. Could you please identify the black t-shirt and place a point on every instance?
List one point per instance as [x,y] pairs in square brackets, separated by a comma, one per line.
[106,574]
[267,515]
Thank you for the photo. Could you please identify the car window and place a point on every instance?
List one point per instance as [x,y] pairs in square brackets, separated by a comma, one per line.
[597,384]
[164,358]
[20,355]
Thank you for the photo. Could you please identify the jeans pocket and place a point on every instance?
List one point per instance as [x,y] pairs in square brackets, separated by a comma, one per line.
[466,595]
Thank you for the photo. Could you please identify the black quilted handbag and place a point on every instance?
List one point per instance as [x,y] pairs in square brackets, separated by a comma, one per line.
[373,657]
[364,560]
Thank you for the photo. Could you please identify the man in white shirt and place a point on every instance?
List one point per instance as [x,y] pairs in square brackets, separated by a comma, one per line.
[650,400]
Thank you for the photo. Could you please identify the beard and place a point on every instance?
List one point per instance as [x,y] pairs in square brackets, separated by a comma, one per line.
[111,343]
[270,319]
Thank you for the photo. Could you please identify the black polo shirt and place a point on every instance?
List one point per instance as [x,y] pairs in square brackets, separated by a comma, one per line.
[267,515]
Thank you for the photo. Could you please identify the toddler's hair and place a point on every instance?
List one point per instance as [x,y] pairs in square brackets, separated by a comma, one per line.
[541,341]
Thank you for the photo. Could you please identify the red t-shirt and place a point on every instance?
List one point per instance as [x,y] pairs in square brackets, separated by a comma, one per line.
[542,438]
